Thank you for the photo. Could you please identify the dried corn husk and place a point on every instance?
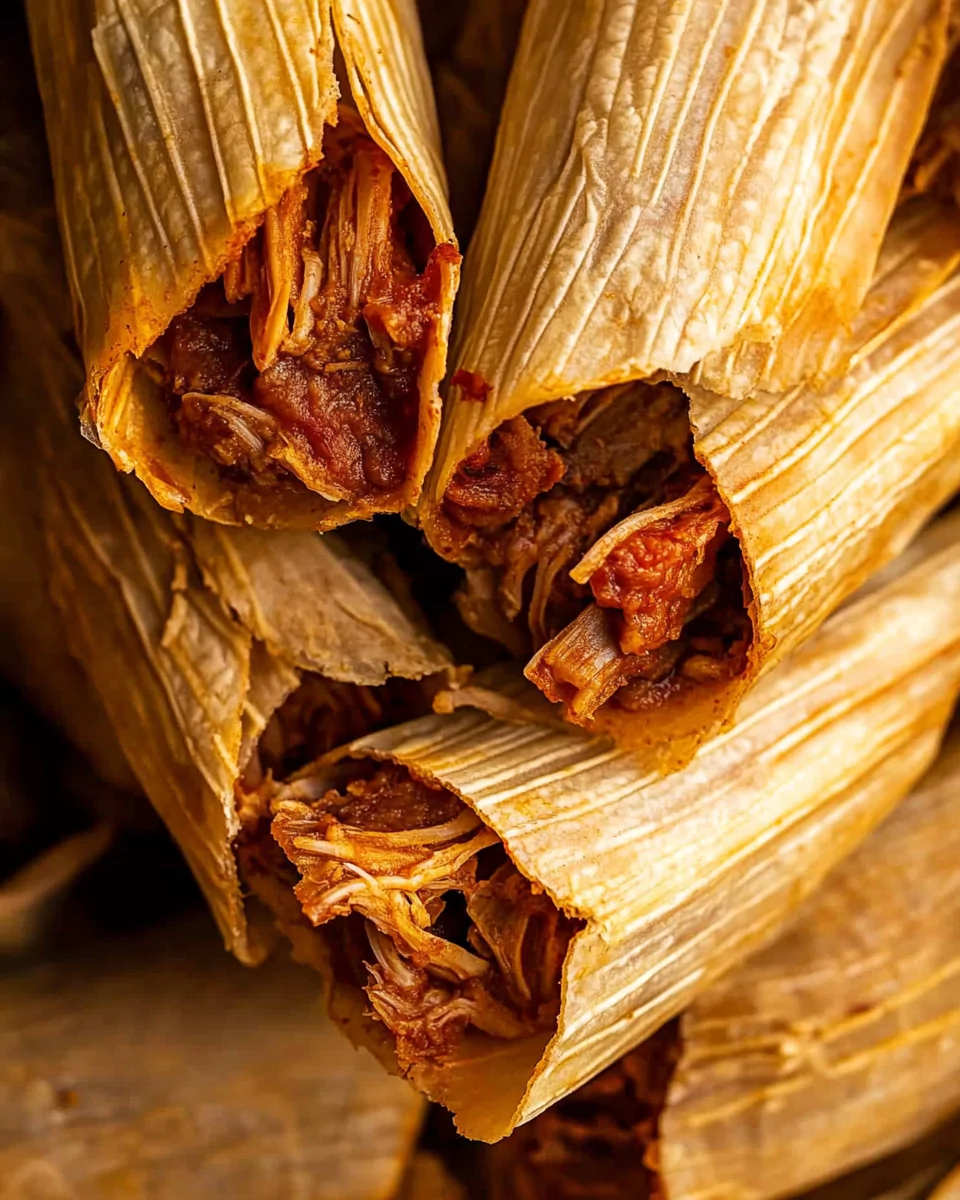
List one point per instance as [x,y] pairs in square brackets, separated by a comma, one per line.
[823,484]
[672,181]
[173,128]
[158,1067]
[677,879]
[841,1042]
[189,672]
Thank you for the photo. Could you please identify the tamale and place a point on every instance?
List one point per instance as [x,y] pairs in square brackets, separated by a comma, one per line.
[520,903]
[156,1067]
[654,538]
[260,253]
[214,652]
[837,1045]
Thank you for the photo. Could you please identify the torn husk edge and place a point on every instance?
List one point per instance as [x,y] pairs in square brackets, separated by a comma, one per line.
[677,879]
[163,172]
[823,485]
[839,1043]
[288,1101]
[711,198]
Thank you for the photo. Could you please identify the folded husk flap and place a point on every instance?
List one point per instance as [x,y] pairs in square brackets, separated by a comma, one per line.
[672,181]
[159,1066]
[822,484]
[192,636]
[677,879]
[840,1043]
[176,130]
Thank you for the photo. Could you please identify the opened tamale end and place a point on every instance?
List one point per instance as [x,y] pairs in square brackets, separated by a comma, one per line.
[520,903]
[835,1047]
[159,1067]
[651,549]
[260,254]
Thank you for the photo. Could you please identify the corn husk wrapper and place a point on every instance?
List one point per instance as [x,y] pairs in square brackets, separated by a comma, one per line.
[840,1043]
[823,484]
[173,128]
[672,181]
[159,1067]
[192,636]
[677,879]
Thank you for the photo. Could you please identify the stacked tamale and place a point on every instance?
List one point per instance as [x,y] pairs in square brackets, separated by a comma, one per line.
[653,851]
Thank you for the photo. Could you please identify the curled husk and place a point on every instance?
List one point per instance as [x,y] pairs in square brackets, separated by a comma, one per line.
[676,879]
[175,131]
[158,1061]
[823,483]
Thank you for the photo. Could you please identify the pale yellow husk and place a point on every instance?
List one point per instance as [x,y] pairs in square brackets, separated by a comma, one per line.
[673,179]
[158,1067]
[173,128]
[182,629]
[840,1043]
[677,879]
[823,484]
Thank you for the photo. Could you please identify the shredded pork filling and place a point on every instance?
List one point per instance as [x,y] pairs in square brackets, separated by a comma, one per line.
[422,907]
[601,1141]
[590,522]
[453,936]
[303,360]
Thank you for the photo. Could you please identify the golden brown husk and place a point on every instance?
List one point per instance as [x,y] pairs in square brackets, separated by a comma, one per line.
[840,1043]
[158,1067]
[678,879]
[173,128]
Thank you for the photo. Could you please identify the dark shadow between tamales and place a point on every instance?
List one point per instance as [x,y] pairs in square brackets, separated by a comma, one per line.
[836,1046]
[259,248]
[520,903]
[650,546]
[157,1066]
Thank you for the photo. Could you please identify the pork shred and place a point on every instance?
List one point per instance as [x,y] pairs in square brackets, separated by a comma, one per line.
[453,936]
[662,608]
[601,1141]
[304,359]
